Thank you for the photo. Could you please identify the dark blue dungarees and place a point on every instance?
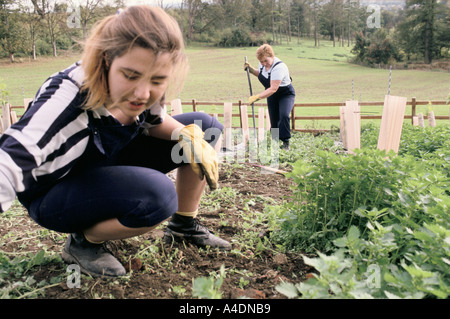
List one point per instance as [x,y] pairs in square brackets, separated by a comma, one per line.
[280,105]
[121,174]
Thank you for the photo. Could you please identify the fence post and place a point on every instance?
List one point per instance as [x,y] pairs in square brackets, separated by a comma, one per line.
[175,107]
[261,132]
[413,109]
[194,105]
[240,113]
[6,112]
[227,124]
[293,118]
[244,121]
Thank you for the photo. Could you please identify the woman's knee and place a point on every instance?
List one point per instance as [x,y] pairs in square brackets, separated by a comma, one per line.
[209,124]
[157,202]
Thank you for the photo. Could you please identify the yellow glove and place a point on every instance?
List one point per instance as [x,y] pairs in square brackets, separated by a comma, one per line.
[252,99]
[203,157]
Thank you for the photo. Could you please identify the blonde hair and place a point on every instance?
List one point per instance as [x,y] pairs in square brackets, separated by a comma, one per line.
[264,51]
[142,26]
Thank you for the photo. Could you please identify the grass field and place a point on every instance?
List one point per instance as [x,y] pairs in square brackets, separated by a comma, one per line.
[319,75]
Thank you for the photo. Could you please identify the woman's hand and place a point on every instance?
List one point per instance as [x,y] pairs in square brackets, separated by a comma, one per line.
[252,99]
[251,69]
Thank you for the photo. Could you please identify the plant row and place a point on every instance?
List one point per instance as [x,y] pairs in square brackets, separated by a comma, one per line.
[373,224]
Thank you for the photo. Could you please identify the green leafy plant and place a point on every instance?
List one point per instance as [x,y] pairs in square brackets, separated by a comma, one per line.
[16,278]
[209,287]
[377,223]
[332,190]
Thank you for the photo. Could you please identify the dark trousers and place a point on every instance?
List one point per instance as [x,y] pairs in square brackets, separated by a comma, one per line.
[280,106]
[132,187]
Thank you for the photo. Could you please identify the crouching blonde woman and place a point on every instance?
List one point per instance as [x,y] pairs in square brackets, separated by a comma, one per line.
[90,154]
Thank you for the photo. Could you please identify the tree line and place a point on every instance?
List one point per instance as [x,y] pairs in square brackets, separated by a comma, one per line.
[418,30]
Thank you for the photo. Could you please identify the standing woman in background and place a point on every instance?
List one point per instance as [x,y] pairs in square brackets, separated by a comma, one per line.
[90,154]
[274,76]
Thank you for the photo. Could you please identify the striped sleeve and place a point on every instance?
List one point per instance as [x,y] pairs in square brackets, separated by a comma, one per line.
[42,147]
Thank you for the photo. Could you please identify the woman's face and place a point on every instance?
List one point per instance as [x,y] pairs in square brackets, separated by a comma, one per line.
[137,80]
[267,61]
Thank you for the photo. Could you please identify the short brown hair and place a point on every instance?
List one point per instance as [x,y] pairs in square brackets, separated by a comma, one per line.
[143,26]
[263,51]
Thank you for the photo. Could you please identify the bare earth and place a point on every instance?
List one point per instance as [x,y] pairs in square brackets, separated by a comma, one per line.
[163,271]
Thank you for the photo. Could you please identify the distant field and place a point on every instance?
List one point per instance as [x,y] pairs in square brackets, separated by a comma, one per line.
[319,75]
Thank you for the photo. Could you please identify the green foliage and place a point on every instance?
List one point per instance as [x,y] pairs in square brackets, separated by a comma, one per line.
[304,145]
[334,188]
[240,37]
[378,222]
[376,49]
[209,287]
[16,280]
[368,269]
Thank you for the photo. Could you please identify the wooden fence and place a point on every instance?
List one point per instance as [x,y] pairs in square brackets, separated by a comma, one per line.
[296,114]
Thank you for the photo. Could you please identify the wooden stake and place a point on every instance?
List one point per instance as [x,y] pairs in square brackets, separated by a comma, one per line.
[227,120]
[420,119]
[268,126]
[13,117]
[352,123]
[261,131]
[176,107]
[342,132]
[6,111]
[26,102]
[391,123]
[431,119]
[218,145]
[244,120]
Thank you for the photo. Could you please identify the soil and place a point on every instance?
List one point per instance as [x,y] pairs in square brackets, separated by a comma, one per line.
[249,273]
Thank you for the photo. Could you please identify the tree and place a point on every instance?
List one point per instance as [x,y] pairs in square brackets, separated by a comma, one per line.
[192,7]
[330,19]
[85,12]
[12,34]
[33,21]
[420,23]
[298,11]
[376,49]
[443,29]
[316,9]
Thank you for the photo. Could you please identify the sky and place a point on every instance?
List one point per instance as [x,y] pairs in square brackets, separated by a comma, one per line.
[152,2]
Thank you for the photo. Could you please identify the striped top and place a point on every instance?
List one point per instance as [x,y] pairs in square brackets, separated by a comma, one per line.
[44,145]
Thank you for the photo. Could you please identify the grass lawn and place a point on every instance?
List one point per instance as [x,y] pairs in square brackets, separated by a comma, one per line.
[319,75]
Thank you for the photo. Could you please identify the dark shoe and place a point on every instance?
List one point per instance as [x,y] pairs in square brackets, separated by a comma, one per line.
[93,259]
[189,229]
[285,145]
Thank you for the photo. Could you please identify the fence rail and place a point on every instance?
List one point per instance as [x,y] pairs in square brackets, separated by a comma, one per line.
[296,117]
